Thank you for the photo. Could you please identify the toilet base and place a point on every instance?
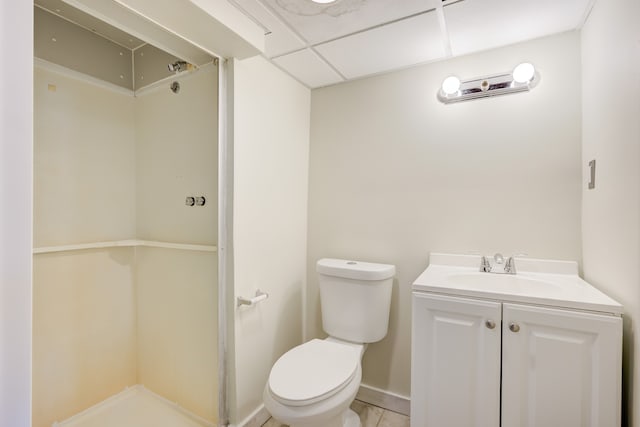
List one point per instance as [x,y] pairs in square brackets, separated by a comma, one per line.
[346,419]
[351,419]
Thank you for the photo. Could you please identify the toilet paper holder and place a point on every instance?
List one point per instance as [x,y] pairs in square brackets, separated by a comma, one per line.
[259,296]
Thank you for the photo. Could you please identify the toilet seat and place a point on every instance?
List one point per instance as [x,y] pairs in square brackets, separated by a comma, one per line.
[312,372]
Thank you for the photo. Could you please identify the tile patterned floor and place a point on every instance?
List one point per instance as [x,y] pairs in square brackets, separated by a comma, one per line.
[370,416]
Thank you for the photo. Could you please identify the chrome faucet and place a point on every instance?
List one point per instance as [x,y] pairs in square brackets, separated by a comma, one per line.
[509,265]
[485,266]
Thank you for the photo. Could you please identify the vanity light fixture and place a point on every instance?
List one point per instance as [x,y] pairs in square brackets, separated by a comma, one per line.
[523,78]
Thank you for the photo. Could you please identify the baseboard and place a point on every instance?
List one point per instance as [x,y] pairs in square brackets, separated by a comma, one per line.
[384,399]
[256,419]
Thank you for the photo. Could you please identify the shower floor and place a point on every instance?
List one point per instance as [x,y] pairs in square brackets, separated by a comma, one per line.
[135,407]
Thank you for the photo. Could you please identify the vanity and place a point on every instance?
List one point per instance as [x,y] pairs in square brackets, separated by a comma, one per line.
[539,347]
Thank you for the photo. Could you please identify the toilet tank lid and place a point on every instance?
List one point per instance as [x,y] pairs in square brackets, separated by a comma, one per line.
[357,270]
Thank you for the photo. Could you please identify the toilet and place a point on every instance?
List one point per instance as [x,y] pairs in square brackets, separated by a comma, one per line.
[313,384]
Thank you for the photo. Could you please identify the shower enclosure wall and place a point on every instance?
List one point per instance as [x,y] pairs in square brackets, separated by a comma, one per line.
[125,271]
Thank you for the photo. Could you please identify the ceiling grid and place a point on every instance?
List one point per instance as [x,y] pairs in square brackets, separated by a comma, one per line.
[324,44]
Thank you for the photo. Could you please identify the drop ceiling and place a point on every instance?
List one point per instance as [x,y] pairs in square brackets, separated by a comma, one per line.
[324,44]
[76,40]
[70,11]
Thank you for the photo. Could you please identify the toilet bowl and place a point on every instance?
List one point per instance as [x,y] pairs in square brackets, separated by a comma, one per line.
[313,384]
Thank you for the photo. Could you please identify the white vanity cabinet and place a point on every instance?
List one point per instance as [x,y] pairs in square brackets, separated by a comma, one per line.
[500,360]
[455,363]
[560,367]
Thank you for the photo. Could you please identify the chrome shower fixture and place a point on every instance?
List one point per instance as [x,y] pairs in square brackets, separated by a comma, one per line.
[177,66]
[523,78]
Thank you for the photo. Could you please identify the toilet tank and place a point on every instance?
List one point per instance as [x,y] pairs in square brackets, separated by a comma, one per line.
[355,299]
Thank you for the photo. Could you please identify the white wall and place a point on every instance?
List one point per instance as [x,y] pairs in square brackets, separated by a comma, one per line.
[271,146]
[611,135]
[16,169]
[394,175]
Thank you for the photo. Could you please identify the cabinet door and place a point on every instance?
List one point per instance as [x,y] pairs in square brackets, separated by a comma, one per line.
[455,364]
[560,368]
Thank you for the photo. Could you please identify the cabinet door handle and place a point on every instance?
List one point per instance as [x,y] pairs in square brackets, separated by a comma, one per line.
[514,327]
[490,324]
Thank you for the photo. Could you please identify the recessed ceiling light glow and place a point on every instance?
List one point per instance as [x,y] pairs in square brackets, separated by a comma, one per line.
[523,73]
[451,85]
[323,1]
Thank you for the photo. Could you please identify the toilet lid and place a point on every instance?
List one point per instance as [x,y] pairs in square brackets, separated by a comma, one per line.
[313,371]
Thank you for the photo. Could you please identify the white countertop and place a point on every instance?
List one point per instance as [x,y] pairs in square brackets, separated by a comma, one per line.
[540,282]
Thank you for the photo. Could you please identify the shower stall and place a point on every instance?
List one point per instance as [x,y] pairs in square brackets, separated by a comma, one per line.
[125,264]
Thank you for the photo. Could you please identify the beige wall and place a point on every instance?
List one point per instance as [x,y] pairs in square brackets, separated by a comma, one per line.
[107,163]
[16,177]
[84,345]
[84,338]
[177,326]
[394,175]
[271,144]
[84,162]
[176,156]
[611,135]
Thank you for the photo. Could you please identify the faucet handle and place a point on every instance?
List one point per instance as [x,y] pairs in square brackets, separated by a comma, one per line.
[510,266]
[485,265]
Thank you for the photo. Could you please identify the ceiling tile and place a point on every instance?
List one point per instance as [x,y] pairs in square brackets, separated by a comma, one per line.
[279,38]
[308,68]
[280,42]
[318,23]
[475,25]
[407,42]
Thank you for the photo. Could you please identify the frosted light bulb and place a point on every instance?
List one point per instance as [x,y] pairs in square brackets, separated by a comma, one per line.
[451,85]
[523,73]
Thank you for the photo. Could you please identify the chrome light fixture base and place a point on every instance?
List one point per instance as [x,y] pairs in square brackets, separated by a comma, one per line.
[501,84]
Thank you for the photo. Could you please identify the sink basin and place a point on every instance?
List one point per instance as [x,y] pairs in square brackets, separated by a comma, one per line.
[502,283]
[541,282]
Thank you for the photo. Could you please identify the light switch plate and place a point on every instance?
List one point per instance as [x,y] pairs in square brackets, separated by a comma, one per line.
[592,174]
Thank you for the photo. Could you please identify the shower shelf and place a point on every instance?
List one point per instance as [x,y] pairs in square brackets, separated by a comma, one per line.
[124,244]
